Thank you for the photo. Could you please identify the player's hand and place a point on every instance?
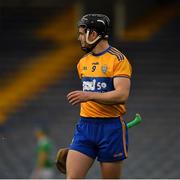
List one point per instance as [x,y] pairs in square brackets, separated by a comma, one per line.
[76,97]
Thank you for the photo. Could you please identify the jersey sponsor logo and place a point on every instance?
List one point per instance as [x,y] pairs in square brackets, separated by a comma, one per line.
[89,85]
[94,85]
[97,84]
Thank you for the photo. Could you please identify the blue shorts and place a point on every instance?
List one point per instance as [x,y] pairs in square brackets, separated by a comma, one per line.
[104,138]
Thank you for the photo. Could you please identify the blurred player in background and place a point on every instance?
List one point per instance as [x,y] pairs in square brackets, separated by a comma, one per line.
[44,160]
[105,74]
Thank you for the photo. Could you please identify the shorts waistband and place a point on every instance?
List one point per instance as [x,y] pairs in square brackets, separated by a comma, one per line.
[99,120]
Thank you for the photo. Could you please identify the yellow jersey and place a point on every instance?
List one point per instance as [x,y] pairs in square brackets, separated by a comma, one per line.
[96,72]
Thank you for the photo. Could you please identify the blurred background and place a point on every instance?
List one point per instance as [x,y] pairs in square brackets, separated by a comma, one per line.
[38,56]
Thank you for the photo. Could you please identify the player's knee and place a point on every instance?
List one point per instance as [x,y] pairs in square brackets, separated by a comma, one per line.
[74,176]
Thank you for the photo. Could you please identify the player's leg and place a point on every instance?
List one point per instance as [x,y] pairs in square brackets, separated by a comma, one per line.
[113,148]
[77,164]
[111,170]
[82,150]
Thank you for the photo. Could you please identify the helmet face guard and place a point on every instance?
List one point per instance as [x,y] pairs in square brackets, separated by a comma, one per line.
[95,22]
[87,37]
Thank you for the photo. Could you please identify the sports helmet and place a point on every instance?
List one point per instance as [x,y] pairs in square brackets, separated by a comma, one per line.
[95,22]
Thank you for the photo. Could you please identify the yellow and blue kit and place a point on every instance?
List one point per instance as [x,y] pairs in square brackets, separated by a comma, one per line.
[101,132]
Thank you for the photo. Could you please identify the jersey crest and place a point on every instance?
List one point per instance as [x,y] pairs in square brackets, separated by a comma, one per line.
[104,68]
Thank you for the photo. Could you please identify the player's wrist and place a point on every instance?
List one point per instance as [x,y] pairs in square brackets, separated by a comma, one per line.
[93,96]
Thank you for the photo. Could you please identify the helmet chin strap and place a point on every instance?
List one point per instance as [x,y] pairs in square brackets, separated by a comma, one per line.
[91,42]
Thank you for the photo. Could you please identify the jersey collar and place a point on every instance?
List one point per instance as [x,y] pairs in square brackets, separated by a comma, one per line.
[101,53]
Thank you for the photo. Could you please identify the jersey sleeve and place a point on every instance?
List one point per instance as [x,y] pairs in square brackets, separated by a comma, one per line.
[122,68]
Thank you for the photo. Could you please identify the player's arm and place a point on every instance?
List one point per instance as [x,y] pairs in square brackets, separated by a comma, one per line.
[117,96]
